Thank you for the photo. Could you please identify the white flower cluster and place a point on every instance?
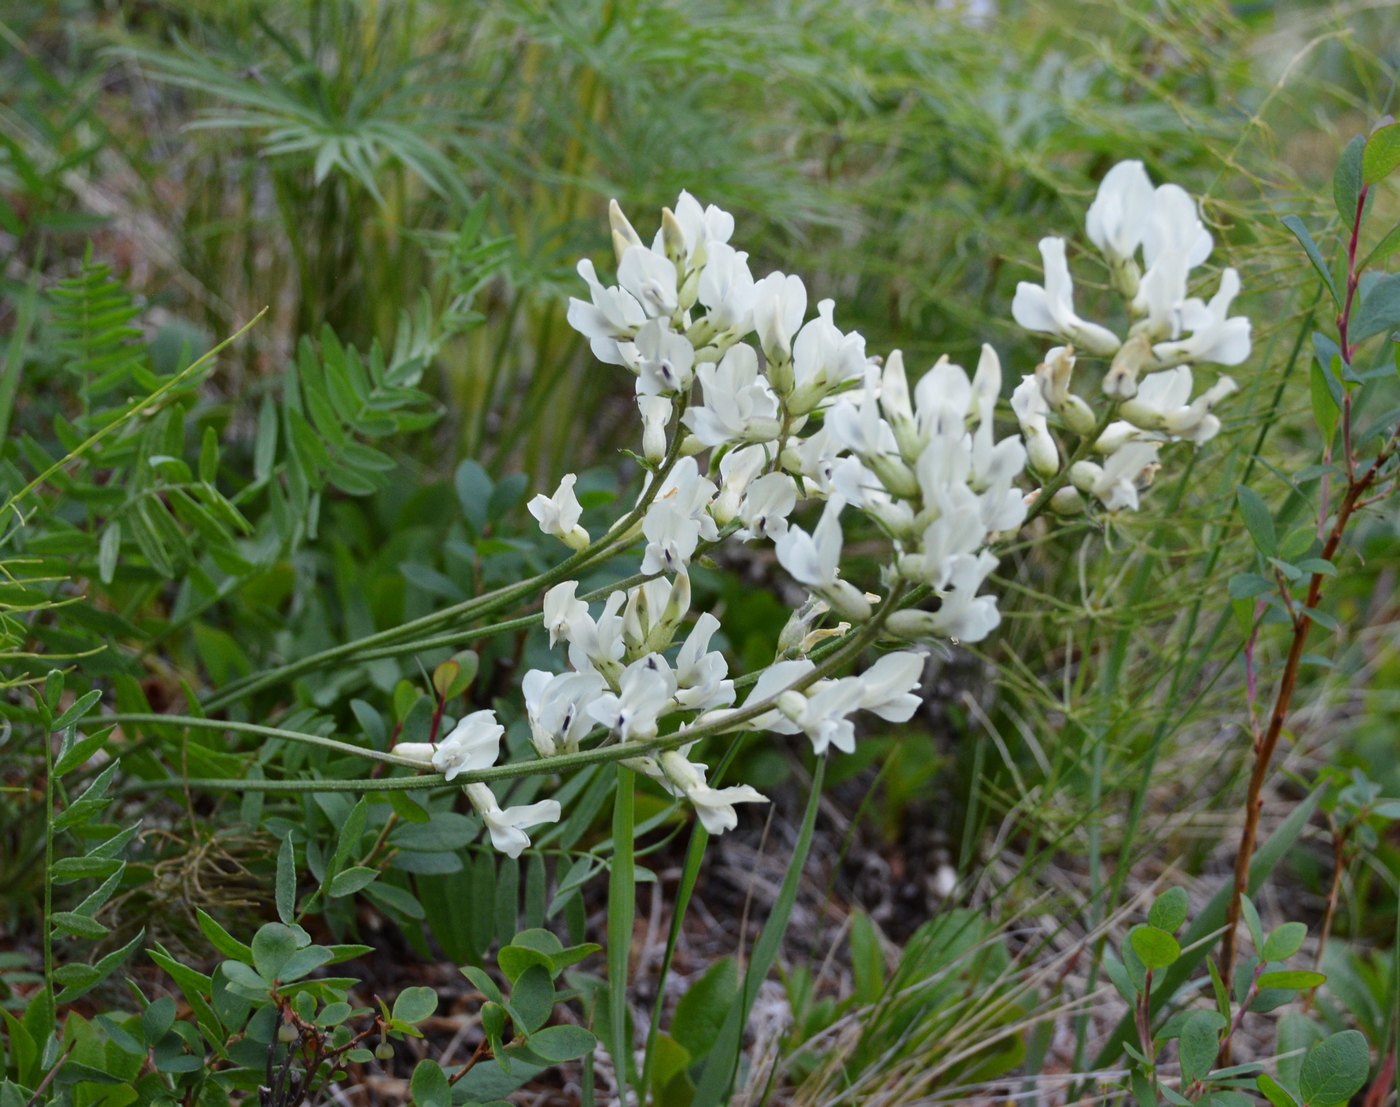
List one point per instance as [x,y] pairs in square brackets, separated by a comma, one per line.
[1168,332]
[749,407]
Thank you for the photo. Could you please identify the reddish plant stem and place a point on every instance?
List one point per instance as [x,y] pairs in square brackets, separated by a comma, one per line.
[1265,744]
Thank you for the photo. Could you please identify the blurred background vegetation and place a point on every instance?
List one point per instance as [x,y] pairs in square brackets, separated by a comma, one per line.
[414,182]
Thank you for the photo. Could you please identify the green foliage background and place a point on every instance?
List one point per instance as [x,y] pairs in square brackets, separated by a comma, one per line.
[402,190]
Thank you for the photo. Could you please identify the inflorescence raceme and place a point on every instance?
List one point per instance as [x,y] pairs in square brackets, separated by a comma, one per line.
[749,408]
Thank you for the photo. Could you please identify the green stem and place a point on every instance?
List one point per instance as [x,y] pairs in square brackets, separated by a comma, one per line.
[617,538]
[848,651]
[622,908]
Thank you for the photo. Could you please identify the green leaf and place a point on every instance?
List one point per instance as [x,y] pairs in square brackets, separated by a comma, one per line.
[1258,519]
[1324,405]
[1251,921]
[1198,1044]
[78,926]
[80,708]
[532,998]
[1292,980]
[700,1012]
[1274,1092]
[92,800]
[415,1004]
[1209,920]
[221,939]
[100,971]
[1379,310]
[1346,181]
[1284,942]
[304,961]
[1300,232]
[273,946]
[1382,154]
[108,550]
[286,882]
[157,1019]
[66,870]
[80,751]
[1335,1069]
[429,1086]
[350,881]
[1155,947]
[557,1044]
[394,898]
[1169,910]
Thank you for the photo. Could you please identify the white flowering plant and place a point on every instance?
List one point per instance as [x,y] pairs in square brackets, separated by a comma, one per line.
[764,428]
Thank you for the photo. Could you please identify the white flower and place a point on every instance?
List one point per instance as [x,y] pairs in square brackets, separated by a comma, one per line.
[714,806]
[962,615]
[677,519]
[1054,375]
[994,464]
[739,406]
[656,417]
[822,713]
[772,681]
[1117,219]
[610,322]
[700,671]
[556,708]
[645,691]
[737,470]
[507,828]
[1050,309]
[651,279]
[562,608]
[1031,411]
[473,744]
[1216,337]
[654,610]
[767,505]
[598,646]
[815,559]
[1123,474]
[823,359]
[664,361]
[779,305]
[1163,403]
[727,290]
[887,687]
[701,229]
[1175,227]
[559,514]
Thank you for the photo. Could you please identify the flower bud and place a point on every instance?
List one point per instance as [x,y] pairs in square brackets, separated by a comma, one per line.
[1084,474]
[623,235]
[894,474]
[848,601]
[673,237]
[1067,501]
[1042,454]
[799,622]
[897,409]
[677,604]
[1120,383]
[792,704]
[287,1033]
[1077,415]
[415,751]
[384,1051]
